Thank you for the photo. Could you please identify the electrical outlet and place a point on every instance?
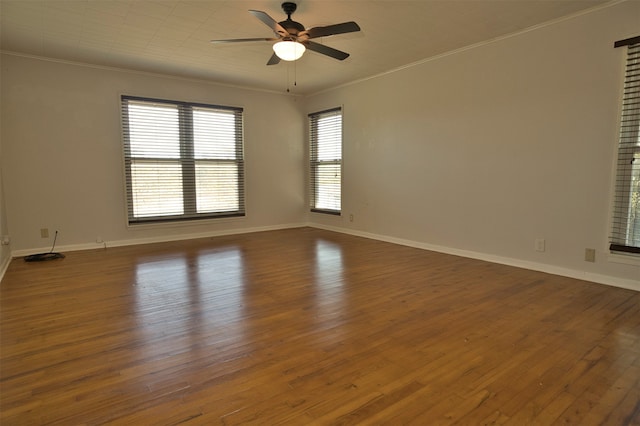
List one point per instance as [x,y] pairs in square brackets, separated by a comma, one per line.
[99,240]
[539,244]
[6,240]
[590,255]
[44,232]
[351,217]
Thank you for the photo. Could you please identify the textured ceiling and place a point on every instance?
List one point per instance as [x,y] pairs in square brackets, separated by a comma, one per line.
[172,36]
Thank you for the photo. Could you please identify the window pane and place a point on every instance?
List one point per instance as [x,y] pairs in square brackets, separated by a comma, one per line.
[325,138]
[214,133]
[329,135]
[156,188]
[154,130]
[216,187]
[328,186]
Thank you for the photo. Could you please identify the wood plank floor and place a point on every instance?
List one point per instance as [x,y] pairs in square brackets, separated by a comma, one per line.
[306,326]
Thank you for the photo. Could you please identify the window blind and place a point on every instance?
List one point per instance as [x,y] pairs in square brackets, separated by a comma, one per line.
[625,235]
[325,171]
[182,160]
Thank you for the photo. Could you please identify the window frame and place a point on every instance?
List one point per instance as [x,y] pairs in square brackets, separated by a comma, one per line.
[315,163]
[187,160]
[627,154]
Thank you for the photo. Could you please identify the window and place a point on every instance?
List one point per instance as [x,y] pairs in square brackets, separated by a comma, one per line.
[183,161]
[325,136]
[625,235]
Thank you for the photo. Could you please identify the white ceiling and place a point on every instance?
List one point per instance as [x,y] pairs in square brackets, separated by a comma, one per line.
[172,36]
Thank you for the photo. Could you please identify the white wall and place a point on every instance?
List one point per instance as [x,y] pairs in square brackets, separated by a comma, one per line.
[482,151]
[62,154]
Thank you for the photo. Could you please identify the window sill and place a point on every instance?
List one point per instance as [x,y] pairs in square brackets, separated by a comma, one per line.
[184,223]
[627,259]
[329,212]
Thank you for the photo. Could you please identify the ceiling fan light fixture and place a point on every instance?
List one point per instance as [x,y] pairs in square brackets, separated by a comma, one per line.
[288,50]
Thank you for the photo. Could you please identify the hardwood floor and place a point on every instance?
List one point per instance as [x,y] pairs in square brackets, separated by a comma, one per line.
[306,326]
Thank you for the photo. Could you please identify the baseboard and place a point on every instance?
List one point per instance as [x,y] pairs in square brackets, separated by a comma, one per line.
[519,263]
[159,239]
[535,266]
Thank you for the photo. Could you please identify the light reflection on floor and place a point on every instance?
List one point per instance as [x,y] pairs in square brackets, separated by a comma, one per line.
[329,281]
[197,298]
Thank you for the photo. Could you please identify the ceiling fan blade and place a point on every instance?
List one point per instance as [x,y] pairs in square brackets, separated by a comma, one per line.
[345,27]
[273,60]
[326,50]
[236,40]
[270,22]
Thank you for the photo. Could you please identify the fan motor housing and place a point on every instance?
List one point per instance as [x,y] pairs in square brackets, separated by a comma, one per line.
[292,27]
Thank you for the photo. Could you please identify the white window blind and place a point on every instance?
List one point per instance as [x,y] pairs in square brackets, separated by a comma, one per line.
[325,172]
[183,161]
[625,235]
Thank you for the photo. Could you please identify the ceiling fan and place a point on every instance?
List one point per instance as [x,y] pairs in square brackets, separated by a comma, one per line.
[292,38]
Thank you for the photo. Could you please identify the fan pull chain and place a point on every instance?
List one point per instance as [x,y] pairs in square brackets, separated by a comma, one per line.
[295,75]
